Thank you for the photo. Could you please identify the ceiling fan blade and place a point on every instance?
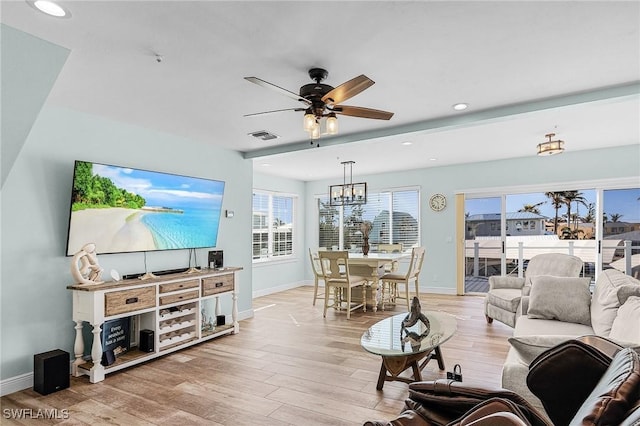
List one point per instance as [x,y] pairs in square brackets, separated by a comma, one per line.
[347,90]
[275,110]
[261,82]
[362,112]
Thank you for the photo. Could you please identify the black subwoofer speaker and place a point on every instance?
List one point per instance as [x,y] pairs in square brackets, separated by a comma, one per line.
[146,341]
[51,371]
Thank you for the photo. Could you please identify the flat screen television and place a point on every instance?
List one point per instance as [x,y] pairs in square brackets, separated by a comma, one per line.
[122,210]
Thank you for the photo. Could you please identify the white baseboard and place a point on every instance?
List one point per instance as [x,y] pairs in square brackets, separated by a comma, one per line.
[277,289]
[15,384]
[438,290]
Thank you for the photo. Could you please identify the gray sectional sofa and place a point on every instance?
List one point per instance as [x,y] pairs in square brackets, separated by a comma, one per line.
[561,308]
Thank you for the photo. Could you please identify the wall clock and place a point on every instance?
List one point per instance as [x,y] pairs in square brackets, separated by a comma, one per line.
[437,202]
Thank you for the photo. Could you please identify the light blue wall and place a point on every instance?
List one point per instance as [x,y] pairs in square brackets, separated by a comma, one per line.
[438,229]
[35,197]
[30,67]
[36,306]
[277,276]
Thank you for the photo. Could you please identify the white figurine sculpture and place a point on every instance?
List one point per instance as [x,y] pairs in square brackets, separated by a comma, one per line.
[89,271]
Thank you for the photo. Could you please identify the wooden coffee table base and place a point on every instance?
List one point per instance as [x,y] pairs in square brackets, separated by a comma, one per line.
[395,365]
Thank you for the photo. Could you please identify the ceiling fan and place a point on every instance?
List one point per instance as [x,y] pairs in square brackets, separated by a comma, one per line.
[324,101]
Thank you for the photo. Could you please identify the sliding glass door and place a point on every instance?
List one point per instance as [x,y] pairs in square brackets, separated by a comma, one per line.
[502,232]
[483,242]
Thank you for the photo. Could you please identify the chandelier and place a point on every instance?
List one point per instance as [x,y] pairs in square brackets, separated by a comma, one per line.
[550,147]
[348,193]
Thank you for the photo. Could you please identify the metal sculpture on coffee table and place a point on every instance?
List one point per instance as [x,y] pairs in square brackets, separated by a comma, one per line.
[410,320]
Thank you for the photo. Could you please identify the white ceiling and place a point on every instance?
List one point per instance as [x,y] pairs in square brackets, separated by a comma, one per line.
[525,68]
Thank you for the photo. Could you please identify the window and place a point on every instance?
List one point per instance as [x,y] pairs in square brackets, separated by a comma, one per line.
[394,214]
[272,225]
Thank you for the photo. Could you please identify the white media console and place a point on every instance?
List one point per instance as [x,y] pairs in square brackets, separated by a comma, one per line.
[169,305]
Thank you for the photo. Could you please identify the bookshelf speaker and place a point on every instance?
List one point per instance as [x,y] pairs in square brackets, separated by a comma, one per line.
[146,341]
[216,259]
[51,371]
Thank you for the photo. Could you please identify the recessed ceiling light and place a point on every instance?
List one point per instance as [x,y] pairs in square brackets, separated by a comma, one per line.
[50,8]
[460,106]
[433,159]
[407,143]
[266,164]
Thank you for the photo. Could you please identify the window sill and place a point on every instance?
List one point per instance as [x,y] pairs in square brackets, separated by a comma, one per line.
[272,262]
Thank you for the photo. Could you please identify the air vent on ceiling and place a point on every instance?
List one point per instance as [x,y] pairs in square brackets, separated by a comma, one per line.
[264,135]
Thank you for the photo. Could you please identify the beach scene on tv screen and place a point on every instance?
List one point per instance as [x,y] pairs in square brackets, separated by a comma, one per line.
[124,210]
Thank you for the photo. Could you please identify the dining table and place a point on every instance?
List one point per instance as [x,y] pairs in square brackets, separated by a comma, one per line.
[373,266]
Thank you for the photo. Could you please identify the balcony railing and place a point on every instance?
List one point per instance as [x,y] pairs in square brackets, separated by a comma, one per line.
[485,253]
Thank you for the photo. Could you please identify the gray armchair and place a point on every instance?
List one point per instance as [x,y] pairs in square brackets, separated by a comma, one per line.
[505,292]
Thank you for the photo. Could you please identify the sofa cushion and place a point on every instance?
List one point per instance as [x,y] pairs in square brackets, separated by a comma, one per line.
[561,298]
[626,326]
[526,326]
[529,347]
[505,298]
[615,393]
[496,282]
[605,303]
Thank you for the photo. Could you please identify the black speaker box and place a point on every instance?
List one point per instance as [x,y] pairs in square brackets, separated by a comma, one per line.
[146,341]
[108,357]
[216,259]
[51,371]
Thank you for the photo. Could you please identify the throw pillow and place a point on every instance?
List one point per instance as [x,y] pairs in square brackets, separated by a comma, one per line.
[529,347]
[560,298]
[605,303]
[626,326]
[627,291]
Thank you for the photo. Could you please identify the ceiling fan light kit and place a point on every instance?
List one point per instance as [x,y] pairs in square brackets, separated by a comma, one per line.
[348,193]
[332,124]
[323,102]
[550,147]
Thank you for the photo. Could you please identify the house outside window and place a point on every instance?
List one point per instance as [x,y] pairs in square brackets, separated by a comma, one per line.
[394,215]
[272,225]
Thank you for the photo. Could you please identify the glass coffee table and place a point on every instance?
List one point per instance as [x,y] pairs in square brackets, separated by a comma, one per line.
[414,346]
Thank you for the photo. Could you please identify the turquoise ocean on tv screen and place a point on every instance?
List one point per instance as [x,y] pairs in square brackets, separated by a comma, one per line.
[193,228]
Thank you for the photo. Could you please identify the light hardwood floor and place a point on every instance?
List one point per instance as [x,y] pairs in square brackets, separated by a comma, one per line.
[287,366]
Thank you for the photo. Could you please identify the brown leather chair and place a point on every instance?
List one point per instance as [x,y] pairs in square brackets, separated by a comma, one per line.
[585,381]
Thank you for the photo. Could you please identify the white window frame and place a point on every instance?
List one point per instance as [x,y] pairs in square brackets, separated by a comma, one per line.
[270,257]
[318,197]
[599,185]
